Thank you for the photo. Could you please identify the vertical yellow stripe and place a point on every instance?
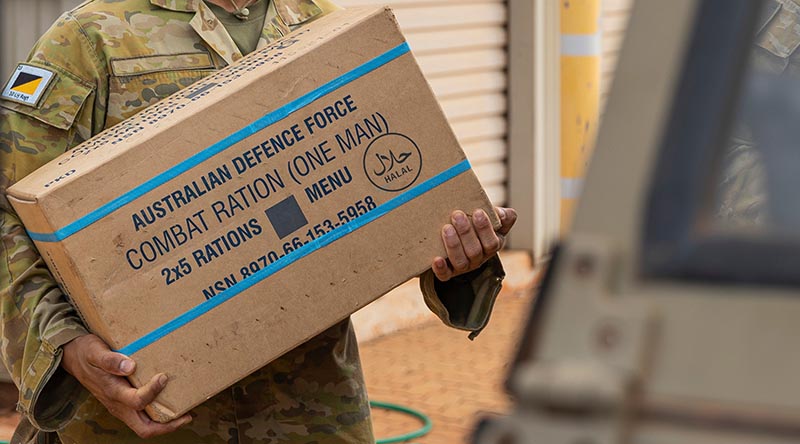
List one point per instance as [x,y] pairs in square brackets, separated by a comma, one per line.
[580,96]
[579,103]
[580,16]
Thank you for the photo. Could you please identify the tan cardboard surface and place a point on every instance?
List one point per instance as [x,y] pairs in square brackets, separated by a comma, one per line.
[237,219]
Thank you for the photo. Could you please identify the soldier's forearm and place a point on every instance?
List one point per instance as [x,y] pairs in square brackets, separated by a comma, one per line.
[36,321]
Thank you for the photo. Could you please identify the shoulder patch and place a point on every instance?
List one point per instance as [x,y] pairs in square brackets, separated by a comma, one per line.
[28,84]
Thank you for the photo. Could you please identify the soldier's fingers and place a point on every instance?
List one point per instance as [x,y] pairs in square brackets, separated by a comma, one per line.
[455,252]
[508,216]
[146,428]
[441,270]
[486,234]
[117,390]
[138,399]
[469,240]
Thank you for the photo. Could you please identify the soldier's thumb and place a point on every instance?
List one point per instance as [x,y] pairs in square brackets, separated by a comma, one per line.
[116,363]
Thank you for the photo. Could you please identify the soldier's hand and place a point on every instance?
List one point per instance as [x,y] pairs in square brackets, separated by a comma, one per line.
[103,372]
[471,242]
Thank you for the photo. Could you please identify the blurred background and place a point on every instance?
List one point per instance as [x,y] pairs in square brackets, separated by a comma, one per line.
[523,83]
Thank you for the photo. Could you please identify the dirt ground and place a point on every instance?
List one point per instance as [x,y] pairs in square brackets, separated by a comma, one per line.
[440,372]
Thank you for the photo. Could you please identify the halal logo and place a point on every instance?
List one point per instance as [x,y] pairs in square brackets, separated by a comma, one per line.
[392,162]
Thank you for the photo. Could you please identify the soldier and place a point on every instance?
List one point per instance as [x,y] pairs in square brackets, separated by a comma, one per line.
[105,61]
[759,157]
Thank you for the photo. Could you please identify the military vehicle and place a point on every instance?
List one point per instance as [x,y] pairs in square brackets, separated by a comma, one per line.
[670,312]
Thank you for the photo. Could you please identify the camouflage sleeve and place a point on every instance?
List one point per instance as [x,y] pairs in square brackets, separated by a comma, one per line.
[741,192]
[327,5]
[36,318]
[465,302]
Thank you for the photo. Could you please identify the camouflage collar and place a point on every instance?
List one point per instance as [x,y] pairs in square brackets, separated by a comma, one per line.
[292,12]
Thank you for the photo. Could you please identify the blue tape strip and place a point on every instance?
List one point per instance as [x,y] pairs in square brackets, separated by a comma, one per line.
[259,124]
[45,237]
[293,257]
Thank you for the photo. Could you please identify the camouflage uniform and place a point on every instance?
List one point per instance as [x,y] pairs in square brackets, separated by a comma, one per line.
[111,59]
[743,201]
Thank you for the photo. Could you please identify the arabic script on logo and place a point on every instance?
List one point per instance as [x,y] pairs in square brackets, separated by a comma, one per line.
[392,162]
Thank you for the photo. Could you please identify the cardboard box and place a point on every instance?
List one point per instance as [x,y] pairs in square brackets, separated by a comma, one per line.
[235,220]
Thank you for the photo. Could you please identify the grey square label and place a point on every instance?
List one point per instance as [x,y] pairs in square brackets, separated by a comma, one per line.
[286,217]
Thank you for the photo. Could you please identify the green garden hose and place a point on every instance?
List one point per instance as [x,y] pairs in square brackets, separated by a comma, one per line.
[427,424]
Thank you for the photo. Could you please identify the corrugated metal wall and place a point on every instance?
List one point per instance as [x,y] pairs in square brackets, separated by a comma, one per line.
[460,44]
[461,47]
[616,14]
